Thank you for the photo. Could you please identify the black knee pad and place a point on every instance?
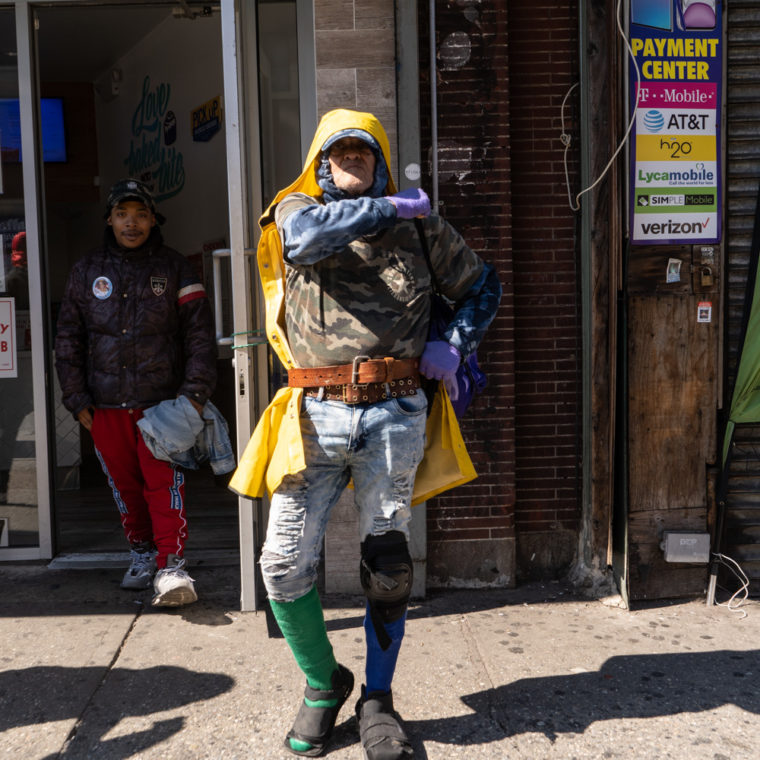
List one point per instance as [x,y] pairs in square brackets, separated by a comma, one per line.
[386,573]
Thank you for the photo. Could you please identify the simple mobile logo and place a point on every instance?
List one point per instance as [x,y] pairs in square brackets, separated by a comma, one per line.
[678,199]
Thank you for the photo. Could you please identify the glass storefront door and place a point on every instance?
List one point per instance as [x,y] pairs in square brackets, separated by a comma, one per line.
[134,104]
[270,94]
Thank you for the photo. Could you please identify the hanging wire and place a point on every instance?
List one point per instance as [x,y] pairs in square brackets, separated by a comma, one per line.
[733,565]
[565,138]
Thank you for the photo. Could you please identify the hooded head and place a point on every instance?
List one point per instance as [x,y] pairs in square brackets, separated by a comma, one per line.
[316,177]
[351,164]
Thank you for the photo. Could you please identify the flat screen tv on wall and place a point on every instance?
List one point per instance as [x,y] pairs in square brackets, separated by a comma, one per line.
[53,133]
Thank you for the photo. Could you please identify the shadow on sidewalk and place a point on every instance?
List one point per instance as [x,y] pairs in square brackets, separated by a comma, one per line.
[438,603]
[625,687]
[49,693]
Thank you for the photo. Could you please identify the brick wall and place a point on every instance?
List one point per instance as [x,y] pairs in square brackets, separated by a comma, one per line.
[543,55]
[504,69]
[471,529]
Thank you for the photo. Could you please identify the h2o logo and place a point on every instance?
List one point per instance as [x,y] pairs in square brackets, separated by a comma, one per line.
[677,148]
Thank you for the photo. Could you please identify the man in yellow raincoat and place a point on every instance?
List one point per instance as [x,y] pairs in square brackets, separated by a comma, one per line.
[348,294]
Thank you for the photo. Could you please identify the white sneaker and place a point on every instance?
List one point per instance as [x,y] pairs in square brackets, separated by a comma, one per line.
[142,569]
[173,586]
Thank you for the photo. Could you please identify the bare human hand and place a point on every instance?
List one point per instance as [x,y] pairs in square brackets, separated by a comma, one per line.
[85,417]
[198,407]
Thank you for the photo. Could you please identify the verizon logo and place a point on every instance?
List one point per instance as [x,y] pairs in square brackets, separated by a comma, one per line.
[674,228]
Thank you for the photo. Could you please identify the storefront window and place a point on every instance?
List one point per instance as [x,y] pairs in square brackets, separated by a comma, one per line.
[280,108]
[18,469]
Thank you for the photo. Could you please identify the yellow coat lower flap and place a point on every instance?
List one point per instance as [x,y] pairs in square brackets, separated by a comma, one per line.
[275,448]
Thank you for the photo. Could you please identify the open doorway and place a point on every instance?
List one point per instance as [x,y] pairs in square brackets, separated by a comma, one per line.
[139,93]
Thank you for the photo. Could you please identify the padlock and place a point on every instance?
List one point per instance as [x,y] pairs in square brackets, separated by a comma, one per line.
[706,277]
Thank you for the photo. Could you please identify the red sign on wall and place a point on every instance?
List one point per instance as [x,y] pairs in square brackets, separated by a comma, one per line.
[8,357]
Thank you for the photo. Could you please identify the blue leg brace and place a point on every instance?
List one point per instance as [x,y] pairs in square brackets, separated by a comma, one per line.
[381,665]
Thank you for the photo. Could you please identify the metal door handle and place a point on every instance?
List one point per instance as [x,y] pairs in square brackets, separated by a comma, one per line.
[216,257]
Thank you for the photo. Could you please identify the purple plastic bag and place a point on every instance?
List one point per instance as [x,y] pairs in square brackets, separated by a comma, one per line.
[470,378]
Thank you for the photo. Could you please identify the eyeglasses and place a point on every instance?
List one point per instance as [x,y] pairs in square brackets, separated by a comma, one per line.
[350,146]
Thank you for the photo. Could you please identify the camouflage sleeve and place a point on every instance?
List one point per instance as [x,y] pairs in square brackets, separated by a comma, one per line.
[475,312]
[465,279]
[311,231]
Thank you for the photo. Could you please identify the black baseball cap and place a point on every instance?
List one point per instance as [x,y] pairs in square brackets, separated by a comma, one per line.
[132,189]
[135,190]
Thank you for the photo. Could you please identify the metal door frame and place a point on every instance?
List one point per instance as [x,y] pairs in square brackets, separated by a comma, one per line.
[238,189]
[32,188]
[244,178]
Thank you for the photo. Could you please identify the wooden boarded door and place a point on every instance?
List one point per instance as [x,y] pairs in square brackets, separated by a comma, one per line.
[673,377]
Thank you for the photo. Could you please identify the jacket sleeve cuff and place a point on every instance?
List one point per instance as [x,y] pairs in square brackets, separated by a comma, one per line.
[197,396]
[82,404]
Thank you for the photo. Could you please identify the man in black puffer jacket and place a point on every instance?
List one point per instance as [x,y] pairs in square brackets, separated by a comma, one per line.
[135,329]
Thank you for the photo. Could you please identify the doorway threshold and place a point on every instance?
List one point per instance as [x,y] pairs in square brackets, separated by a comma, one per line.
[107,560]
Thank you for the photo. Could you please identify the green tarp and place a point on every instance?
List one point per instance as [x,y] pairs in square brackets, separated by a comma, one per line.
[745,400]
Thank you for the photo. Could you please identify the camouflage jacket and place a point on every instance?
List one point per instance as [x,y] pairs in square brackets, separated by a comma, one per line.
[357,282]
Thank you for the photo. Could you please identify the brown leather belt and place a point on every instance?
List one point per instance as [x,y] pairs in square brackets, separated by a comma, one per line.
[361,371]
[365,380]
[366,394]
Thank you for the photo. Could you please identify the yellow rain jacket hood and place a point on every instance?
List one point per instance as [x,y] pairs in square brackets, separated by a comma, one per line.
[276,448]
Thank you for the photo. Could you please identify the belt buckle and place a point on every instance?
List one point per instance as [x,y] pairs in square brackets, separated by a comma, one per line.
[355,368]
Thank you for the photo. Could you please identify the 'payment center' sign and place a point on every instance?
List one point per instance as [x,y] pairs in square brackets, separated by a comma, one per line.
[675,156]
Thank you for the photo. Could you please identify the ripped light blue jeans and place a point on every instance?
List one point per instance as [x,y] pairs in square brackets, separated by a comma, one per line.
[378,446]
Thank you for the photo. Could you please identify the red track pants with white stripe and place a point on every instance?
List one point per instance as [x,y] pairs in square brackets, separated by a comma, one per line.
[149,493]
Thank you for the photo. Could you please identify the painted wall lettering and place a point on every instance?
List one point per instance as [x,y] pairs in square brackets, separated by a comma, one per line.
[152,156]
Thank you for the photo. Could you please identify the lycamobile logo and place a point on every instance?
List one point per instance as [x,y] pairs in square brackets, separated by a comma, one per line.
[697,174]
[674,228]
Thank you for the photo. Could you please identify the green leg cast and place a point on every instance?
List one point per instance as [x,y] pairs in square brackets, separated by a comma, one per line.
[302,623]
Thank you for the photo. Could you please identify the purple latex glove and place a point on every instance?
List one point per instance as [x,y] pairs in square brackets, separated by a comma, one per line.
[440,361]
[410,203]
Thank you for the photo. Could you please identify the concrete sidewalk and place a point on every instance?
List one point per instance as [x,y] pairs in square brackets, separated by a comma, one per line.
[92,671]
